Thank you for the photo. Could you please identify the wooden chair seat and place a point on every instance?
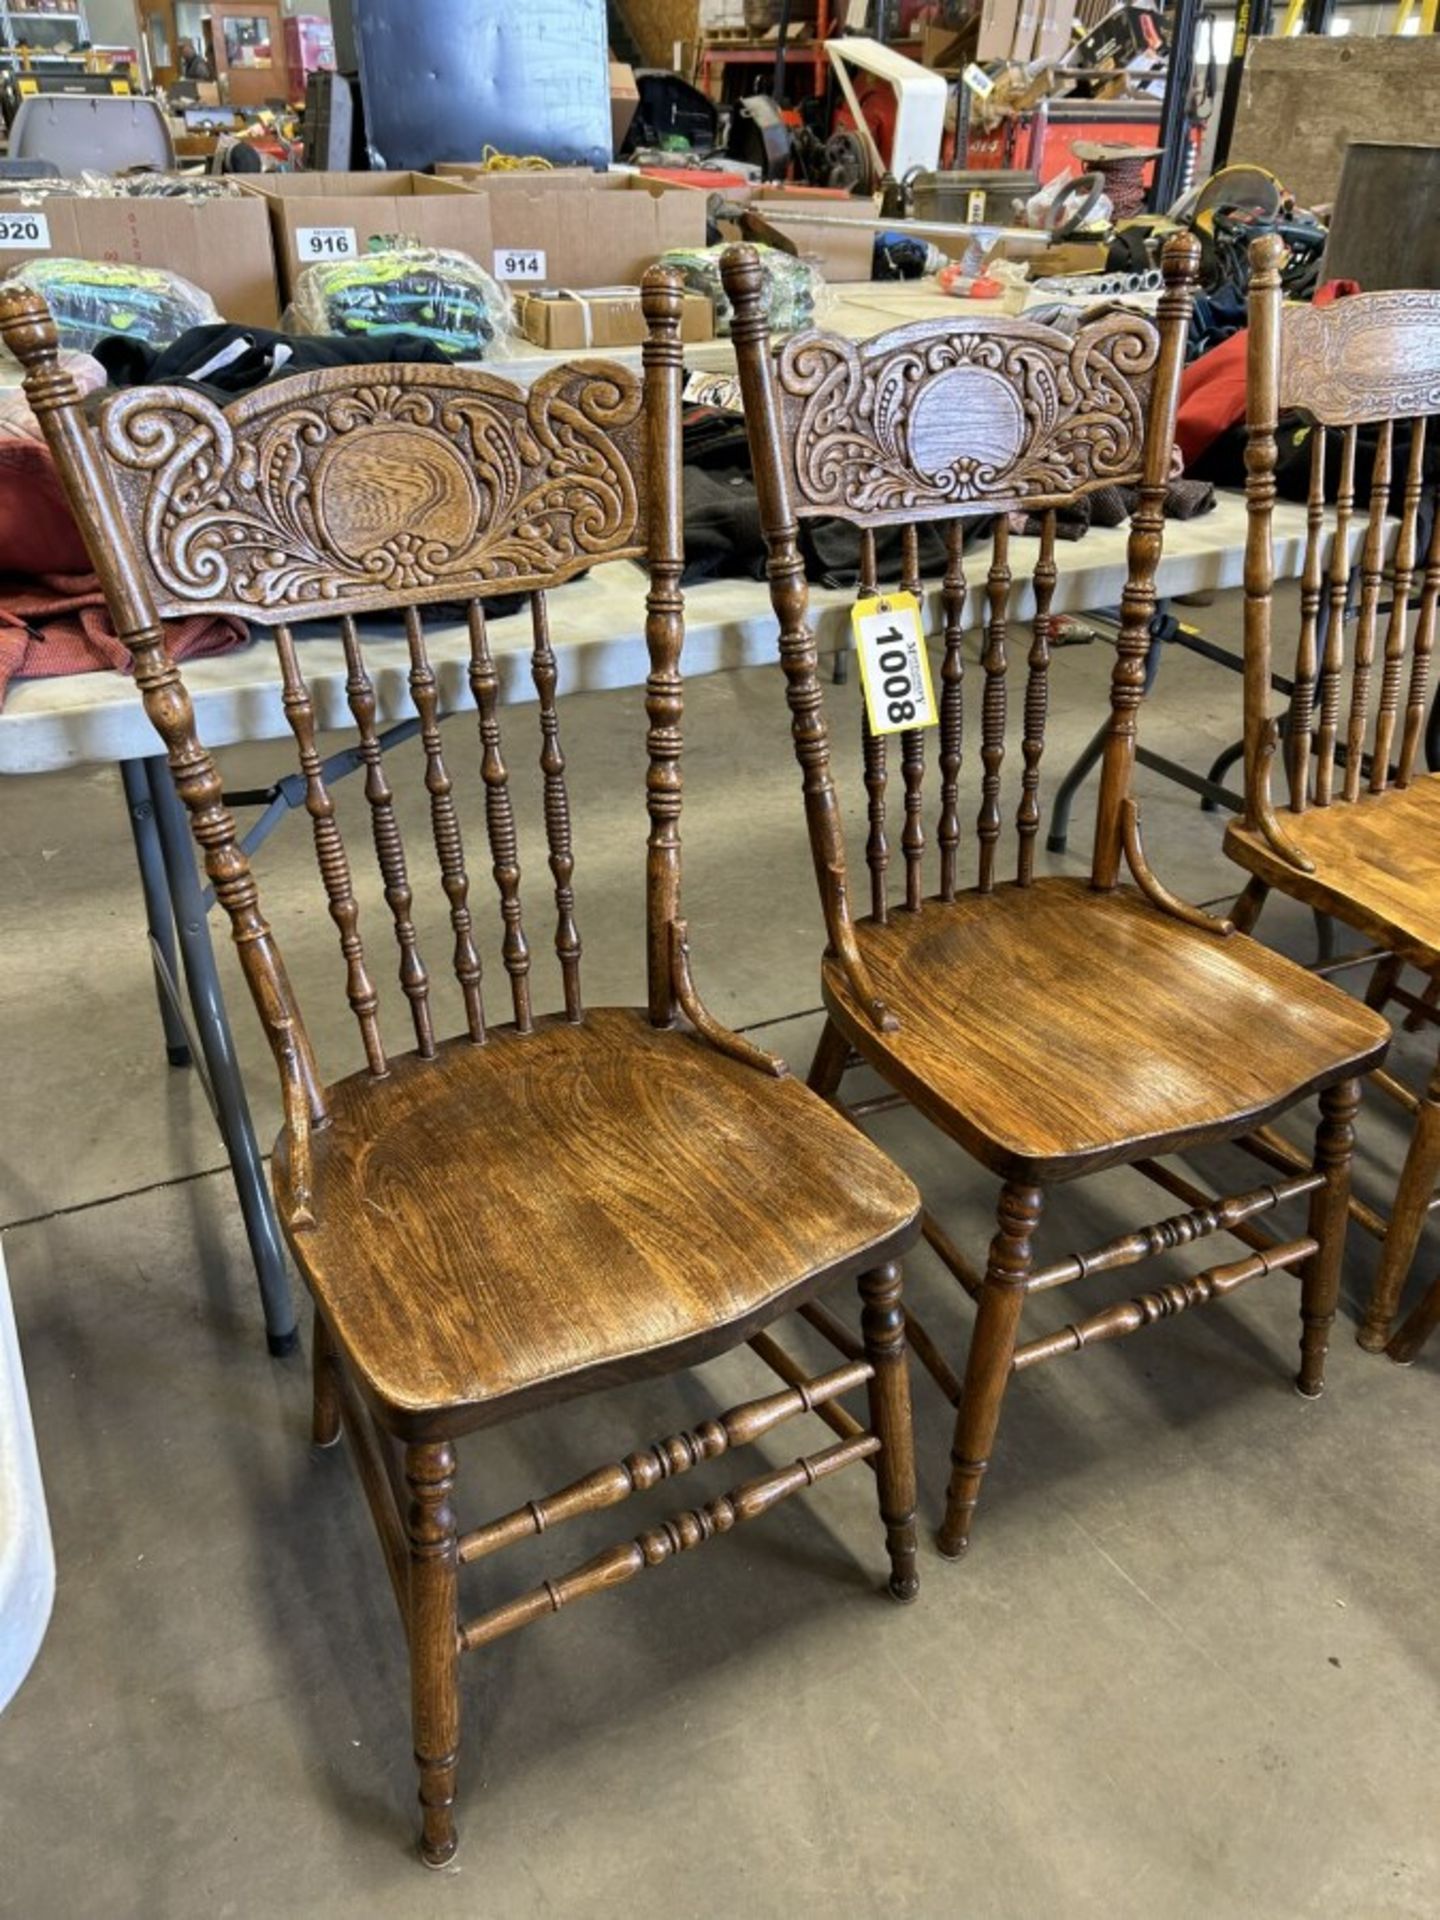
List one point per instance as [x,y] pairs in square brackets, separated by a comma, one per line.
[1053,1029]
[1376,860]
[520,1219]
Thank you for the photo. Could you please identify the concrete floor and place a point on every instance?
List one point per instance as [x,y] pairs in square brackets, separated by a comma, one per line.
[1189,1668]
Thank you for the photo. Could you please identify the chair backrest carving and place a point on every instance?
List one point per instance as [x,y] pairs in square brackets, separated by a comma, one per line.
[1366,365]
[955,416]
[351,491]
[953,421]
[355,491]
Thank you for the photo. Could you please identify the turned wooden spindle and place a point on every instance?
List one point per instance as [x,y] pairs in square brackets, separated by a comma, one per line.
[912,741]
[1181,266]
[445,824]
[993,701]
[952,707]
[1338,593]
[681,1533]
[1372,580]
[500,817]
[1418,696]
[1037,701]
[330,854]
[557,808]
[873,758]
[663,358]
[1312,580]
[678,1453]
[385,829]
[1397,628]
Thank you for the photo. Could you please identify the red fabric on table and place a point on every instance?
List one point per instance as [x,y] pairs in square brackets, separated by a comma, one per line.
[52,613]
[59,623]
[1212,388]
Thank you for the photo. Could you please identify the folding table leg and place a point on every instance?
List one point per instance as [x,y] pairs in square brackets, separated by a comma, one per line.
[232,1111]
[158,915]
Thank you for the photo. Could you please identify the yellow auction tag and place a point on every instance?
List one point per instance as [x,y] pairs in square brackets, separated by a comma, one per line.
[894,666]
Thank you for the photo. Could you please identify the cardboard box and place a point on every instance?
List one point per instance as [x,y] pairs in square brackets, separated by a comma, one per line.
[603,317]
[1053,35]
[949,49]
[998,21]
[579,229]
[838,237]
[222,245]
[336,216]
[624,102]
[1022,48]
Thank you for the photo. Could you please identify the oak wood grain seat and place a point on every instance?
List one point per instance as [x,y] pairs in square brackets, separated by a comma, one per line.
[1355,831]
[1052,1029]
[588,1200]
[549,1202]
[1376,864]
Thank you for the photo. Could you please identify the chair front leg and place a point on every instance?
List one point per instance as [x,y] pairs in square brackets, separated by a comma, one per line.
[1413,1193]
[434,1643]
[827,1069]
[1329,1218]
[325,1415]
[1414,1331]
[988,1366]
[1249,905]
[882,1325]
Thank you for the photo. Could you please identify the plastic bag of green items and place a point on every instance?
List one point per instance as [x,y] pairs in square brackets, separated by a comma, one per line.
[792,289]
[440,295]
[91,299]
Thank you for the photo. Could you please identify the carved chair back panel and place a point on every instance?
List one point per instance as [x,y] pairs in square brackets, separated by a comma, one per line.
[349,492]
[942,424]
[965,416]
[1366,371]
[1374,356]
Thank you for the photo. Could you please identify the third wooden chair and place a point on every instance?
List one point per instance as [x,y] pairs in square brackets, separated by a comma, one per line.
[1358,834]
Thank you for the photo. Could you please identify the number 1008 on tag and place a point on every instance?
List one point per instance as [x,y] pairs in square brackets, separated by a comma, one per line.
[894,665]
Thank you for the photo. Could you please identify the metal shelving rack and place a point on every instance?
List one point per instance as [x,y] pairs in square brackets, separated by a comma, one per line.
[14,22]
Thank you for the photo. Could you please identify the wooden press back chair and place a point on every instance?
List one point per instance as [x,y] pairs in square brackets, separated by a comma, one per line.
[532,1210]
[1357,835]
[1052,1026]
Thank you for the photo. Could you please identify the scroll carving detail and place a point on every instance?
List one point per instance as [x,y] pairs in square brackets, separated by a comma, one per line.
[959,415]
[1374,356]
[297,502]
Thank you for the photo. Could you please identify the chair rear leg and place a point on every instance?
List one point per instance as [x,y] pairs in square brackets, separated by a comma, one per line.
[1418,1178]
[987,1368]
[434,1643]
[882,1325]
[1417,1329]
[325,1415]
[1249,906]
[827,1069]
[1329,1219]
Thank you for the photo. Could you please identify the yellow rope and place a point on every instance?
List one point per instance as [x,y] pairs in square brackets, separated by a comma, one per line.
[493,161]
